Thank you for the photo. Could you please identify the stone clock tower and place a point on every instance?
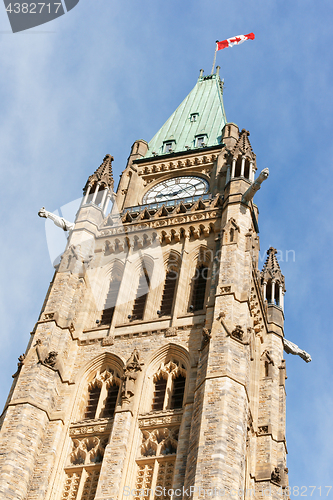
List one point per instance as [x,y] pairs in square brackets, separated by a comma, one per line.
[156,369]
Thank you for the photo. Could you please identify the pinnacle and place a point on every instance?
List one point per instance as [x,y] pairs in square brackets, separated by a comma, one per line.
[103,174]
[271,269]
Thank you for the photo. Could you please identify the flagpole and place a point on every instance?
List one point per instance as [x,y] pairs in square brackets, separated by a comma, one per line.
[214,57]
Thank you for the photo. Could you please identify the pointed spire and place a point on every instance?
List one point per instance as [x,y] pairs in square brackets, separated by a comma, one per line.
[196,123]
[103,175]
[271,270]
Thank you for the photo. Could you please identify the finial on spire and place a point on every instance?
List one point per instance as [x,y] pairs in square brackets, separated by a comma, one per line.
[272,280]
[103,175]
[271,269]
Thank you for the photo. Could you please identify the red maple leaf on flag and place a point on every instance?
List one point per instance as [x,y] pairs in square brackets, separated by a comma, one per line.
[235,40]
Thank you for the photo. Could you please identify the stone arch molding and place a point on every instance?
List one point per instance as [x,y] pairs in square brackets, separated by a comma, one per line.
[169,361]
[92,373]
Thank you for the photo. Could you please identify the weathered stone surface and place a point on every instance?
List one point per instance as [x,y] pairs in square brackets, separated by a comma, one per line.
[205,407]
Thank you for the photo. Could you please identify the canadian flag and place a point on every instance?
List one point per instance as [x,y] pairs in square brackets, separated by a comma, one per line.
[236,40]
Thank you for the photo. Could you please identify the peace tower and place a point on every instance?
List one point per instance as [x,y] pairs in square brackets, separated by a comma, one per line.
[155,369]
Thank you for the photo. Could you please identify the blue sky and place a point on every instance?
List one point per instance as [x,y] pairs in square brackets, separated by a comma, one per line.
[106,74]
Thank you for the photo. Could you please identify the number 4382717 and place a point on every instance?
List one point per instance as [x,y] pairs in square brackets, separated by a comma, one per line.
[32,8]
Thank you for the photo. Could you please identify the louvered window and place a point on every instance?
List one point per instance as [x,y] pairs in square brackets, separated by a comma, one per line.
[168,293]
[178,392]
[141,296]
[93,399]
[110,302]
[169,386]
[199,288]
[102,395]
[159,394]
[110,402]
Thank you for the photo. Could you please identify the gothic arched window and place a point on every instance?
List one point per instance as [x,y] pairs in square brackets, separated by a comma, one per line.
[87,451]
[169,386]
[102,395]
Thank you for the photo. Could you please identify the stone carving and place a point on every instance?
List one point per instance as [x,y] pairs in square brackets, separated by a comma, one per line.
[159,442]
[133,366]
[276,475]
[221,318]
[250,423]
[160,421]
[263,429]
[19,365]
[251,191]
[88,450]
[291,348]
[237,333]
[171,332]
[48,316]
[107,341]
[107,377]
[172,367]
[51,359]
[59,221]
[206,337]
[71,257]
[225,289]
[256,312]
[91,429]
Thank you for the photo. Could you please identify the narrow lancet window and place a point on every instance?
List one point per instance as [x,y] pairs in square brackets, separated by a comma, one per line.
[199,288]
[110,402]
[141,296]
[159,394]
[168,293]
[178,392]
[110,302]
[93,399]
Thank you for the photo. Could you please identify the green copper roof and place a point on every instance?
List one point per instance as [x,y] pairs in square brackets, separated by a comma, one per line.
[205,101]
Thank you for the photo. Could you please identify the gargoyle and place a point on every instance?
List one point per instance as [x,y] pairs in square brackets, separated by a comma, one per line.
[59,221]
[249,193]
[292,348]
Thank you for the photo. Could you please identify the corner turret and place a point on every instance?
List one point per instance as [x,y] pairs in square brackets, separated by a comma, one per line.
[273,287]
[99,187]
